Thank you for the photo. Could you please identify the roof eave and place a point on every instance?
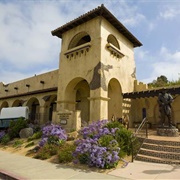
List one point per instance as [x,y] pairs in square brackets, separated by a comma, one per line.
[99,11]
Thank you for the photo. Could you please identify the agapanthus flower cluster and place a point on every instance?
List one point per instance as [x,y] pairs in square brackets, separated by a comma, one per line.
[90,148]
[95,130]
[96,155]
[52,132]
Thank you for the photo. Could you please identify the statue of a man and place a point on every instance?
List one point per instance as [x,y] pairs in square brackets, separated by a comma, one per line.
[165,99]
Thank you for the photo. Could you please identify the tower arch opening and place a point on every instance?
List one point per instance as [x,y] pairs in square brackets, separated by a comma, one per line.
[115,99]
[79,39]
[112,40]
[77,94]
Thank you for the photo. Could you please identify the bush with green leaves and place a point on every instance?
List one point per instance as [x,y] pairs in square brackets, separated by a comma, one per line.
[47,151]
[18,143]
[65,153]
[30,144]
[102,144]
[123,136]
[2,133]
[16,126]
[5,139]
[36,135]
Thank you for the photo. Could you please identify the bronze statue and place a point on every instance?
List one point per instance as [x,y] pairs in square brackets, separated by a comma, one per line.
[165,99]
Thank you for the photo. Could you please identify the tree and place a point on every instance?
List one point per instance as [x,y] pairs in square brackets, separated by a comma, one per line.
[161,81]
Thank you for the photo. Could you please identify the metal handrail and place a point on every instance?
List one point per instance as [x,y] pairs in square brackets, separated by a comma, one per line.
[144,121]
[141,126]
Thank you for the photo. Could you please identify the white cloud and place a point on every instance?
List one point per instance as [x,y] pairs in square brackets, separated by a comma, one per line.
[27,45]
[141,54]
[170,57]
[169,14]
[164,63]
[170,11]
[133,20]
[26,41]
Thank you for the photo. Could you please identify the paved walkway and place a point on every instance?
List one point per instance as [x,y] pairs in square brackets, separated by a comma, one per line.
[25,168]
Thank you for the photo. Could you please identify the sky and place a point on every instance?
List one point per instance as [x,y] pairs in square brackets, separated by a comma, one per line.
[28,48]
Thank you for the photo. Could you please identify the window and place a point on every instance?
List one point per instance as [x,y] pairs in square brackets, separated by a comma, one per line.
[79,45]
[113,46]
[79,39]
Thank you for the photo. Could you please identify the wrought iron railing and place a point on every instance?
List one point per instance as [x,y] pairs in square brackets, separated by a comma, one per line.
[138,137]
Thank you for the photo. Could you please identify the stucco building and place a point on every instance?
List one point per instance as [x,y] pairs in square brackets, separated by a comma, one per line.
[96,78]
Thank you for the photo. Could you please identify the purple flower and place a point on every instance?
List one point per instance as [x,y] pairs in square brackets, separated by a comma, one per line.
[51,131]
[89,146]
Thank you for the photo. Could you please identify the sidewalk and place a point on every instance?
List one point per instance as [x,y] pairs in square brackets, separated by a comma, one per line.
[143,170]
[25,168]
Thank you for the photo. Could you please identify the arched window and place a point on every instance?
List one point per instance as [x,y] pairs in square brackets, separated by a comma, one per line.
[112,40]
[114,47]
[79,39]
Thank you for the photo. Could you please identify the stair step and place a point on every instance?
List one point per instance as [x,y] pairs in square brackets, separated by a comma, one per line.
[156,159]
[160,154]
[162,142]
[159,151]
[158,147]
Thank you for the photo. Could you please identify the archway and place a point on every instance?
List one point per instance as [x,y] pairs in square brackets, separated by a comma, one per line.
[4,104]
[17,103]
[116,99]
[111,39]
[77,93]
[79,39]
[50,104]
[33,105]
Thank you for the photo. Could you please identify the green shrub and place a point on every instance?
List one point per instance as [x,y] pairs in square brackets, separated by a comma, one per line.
[105,140]
[5,139]
[18,143]
[36,135]
[47,151]
[84,158]
[16,126]
[123,137]
[29,144]
[115,124]
[65,153]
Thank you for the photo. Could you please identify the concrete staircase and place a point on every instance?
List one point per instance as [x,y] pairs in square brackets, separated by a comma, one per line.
[159,151]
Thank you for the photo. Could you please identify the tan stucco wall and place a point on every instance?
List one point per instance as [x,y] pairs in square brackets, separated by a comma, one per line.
[122,67]
[49,78]
[82,66]
[35,93]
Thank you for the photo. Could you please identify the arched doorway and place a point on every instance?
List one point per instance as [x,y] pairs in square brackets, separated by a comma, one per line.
[116,99]
[52,107]
[33,105]
[77,93]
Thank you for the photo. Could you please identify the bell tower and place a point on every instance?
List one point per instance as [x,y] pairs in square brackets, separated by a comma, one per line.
[96,65]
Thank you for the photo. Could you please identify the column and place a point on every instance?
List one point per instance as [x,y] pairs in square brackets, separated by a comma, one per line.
[98,108]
